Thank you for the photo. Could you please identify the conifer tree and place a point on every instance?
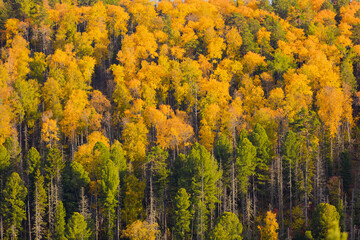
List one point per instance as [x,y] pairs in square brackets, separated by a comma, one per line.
[77,228]
[13,206]
[109,182]
[39,205]
[59,222]
[227,226]
[134,193]
[324,218]
[182,213]
[204,185]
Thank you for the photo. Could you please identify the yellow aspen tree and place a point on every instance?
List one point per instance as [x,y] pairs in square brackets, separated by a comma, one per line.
[330,102]
[270,228]
[49,130]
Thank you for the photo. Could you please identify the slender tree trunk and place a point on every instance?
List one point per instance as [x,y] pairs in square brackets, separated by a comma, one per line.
[254,197]
[352,216]
[165,219]
[50,210]
[233,186]
[118,215]
[290,192]
[96,217]
[29,218]
[152,217]
[26,137]
[281,203]
[1,229]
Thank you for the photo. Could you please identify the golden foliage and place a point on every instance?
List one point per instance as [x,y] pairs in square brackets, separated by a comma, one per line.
[139,230]
[269,231]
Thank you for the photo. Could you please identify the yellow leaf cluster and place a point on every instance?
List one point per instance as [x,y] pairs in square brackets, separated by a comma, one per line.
[139,230]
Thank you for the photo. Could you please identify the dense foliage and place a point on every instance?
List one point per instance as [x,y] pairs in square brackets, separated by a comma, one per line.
[179,119]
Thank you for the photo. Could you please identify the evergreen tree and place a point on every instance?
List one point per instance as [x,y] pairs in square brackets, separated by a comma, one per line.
[77,228]
[75,178]
[182,213]
[109,182]
[59,232]
[118,157]
[290,152]
[324,218]
[227,226]
[39,205]
[13,206]
[245,162]
[4,164]
[134,193]
[346,167]
[33,160]
[205,176]
[158,178]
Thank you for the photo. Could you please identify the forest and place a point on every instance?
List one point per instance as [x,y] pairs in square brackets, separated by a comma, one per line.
[193,119]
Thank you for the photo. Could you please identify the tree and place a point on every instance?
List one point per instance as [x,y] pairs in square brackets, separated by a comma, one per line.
[182,213]
[38,66]
[4,160]
[49,130]
[59,229]
[72,115]
[134,193]
[39,205]
[252,61]
[245,162]
[260,140]
[290,152]
[139,230]
[118,157]
[205,175]
[270,227]
[346,166]
[33,161]
[335,234]
[158,173]
[13,206]
[298,92]
[227,226]
[77,228]
[75,179]
[135,140]
[330,102]
[109,182]
[324,218]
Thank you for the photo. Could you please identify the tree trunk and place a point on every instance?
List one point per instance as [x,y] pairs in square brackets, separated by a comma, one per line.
[1,229]
[152,217]
[26,137]
[29,217]
[233,187]
[290,192]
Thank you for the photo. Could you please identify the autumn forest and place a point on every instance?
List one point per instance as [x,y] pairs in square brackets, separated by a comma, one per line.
[194,119]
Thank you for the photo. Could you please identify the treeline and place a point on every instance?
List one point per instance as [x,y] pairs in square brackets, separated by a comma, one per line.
[179,120]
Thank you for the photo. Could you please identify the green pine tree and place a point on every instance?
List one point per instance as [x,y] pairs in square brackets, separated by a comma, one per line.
[77,228]
[245,162]
[324,218]
[118,157]
[205,176]
[109,182]
[33,160]
[13,206]
[39,205]
[134,193]
[228,227]
[183,214]
[59,233]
